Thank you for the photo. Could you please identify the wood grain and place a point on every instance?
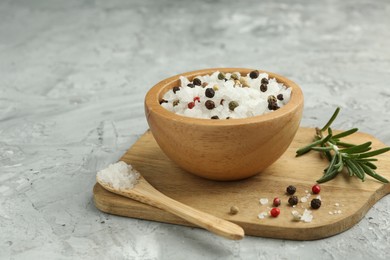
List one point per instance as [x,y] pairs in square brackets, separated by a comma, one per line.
[355,198]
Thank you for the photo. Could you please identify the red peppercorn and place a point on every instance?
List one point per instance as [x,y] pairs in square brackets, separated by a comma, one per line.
[276,202]
[275,212]
[191,105]
[197,99]
[316,189]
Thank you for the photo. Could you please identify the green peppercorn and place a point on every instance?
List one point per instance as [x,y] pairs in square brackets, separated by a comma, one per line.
[197,82]
[215,117]
[176,102]
[291,189]
[234,76]
[233,105]
[264,81]
[221,76]
[280,97]
[209,92]
[244,82]
[175,89]
[190,85]
[293,200]
[210,104]
[163,101]
[254,74]
[216,87]
[315,203]
[263,88]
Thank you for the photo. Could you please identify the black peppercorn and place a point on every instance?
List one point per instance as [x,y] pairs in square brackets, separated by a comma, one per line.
[291,190]
[190,85]
[254,74]
[315,203]
[163,101]
[293,200]
[197,82]
[209,92]
[279,97]
[264,81]
[175,89]
[273,106]
[214,117]
[209,104]
[176,102]
[263,88]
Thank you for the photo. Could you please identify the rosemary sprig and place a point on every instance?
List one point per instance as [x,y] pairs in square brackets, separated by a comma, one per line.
[356,159]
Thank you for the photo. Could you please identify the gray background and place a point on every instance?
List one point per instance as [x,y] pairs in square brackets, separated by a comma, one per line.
[73,75]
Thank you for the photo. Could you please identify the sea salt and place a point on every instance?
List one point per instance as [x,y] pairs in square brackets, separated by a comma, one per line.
[120,176]
[263,201]
[307,216]
[262,215]
[303,199]
[191,101]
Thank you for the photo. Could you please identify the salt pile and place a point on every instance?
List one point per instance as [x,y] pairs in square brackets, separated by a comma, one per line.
[225,96]
[120,176]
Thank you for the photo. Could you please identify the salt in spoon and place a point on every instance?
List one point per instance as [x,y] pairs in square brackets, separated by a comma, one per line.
[141,190]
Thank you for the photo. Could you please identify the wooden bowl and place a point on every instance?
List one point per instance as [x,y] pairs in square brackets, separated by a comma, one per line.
[223,149]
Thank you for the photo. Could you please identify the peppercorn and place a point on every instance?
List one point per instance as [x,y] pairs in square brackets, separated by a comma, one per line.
[163,101]
[209,104]
[216,87]
[221,76]
[272,99]
[234,76]
[190,85]
[197,82]
[228,117]
[316,189]
[280,97]
[315,203]
[209,92]
[205,84]
[221,102]
[244,82]
[263,88]
[291,190]
[273,106]
[276,202]
[264,81]
[176,102]
[197,99]
[293,200]
[191,105]
[215,117]
[234,210]
[254,74]
[233,105]
[175,89]
[275,212]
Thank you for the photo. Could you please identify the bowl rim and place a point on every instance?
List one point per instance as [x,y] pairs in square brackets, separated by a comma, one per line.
[152,102]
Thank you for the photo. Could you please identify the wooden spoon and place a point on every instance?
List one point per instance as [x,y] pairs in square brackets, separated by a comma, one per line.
[144,192]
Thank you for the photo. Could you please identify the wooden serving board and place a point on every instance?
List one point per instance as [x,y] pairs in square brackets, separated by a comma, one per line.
[354,197]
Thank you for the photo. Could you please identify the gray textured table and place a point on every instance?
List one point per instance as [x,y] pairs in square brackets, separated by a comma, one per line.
[73,75]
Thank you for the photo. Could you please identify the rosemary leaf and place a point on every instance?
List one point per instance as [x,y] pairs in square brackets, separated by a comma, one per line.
[326,126]
[346,133]
[374,153]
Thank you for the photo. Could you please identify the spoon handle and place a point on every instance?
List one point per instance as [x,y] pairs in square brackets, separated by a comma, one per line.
[146,193]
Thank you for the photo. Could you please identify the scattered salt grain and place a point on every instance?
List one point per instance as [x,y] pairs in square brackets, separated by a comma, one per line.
[262,215]
[303,199]
[307,216]
[330,213]
[296,215]
[119,175]
[263,201]
[337,204]
[318,197]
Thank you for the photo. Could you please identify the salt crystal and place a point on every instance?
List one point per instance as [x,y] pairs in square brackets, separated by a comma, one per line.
[262,215]
[306,191]
[337,204]
[303,199]
[307,216]
[319,197]
[330,213]
[339,212]
[296,215]
[120,176]
[263,201]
